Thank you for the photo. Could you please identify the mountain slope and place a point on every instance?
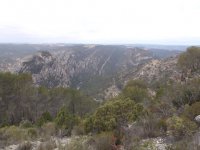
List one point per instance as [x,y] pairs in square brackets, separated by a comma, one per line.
[98,70]
[156,70]
[89,68]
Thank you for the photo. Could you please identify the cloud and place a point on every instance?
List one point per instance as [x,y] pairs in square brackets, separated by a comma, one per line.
[99,21]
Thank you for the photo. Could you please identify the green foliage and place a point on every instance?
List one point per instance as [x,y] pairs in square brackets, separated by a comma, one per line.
[61,117]
[48,129]
[32,133]
[161,109]
[66,120]
[162,125]
[89,124]
[75,101]
[179,127]
[46,117]
[187,143]
[16,91]
[14,134]
[4,121]
[150,125]
[137,83]
[93,85]
[113,114]
[192,111]
[20,100]
[135,90]
[190,60]
[182,94]
[25,124]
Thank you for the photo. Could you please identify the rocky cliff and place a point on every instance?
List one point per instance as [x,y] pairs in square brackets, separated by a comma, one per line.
[97,70]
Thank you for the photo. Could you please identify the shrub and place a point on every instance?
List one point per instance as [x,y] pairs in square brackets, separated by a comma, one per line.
[150,126]
[32,132]
[66,120]
[162,125]
[4,121]
[179,127]
[49,129]
[135,93]
[136,83]
[25,146]
[190,60]
[46,117]
[114,114]
[89,124]
[25,124]
[78,130]
[192,111]
[15,134]
[188,143]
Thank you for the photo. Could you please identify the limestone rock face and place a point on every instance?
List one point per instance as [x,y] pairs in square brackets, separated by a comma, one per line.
[84,66]
[156,70]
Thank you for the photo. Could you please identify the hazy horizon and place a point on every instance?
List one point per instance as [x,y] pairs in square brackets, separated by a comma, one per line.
[172,22]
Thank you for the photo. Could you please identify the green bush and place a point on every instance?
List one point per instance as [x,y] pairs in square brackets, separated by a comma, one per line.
[162,125]
[179,127]
[14,134]
[66,120]
[136,83]
[32,133]
[150,125]
[113,114]
[135,93]
[89,124]
[190,60]
[192,111]
[4,121]
[46,117]
[25,124]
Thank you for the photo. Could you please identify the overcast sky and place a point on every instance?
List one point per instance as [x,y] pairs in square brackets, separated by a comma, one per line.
[100,21]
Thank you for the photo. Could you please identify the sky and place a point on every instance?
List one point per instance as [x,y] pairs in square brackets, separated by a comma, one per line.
[100,21]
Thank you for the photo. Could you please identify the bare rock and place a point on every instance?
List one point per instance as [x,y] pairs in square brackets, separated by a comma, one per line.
[197,119]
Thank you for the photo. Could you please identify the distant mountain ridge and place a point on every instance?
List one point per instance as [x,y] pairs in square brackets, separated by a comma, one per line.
[161,47]
[98,70]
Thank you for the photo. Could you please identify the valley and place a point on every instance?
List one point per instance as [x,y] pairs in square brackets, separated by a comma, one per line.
[99,97]
[90,68]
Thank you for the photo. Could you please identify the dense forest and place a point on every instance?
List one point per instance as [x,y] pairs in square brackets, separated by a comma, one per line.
[140,113]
